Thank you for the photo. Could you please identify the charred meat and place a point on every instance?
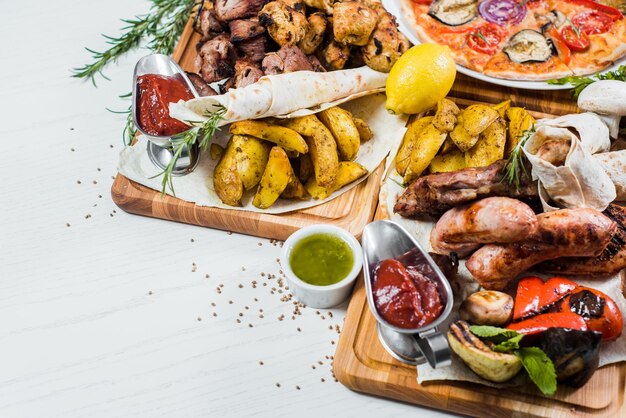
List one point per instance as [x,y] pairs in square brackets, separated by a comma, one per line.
[353,22]
[244,29]
[286,60]
[335,55]
[385,45]
[216,58]
[227,10]
[246,73]
[207,24]
[432,195]
[201,86]
[254,49]
[314,33]
[285,25]
[325,5]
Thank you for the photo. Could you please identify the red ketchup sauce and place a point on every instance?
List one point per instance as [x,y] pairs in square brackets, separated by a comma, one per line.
[156,92]
[404,296]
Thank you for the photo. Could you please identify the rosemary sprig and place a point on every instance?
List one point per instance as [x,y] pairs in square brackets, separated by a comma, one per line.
[515,167]
[164,35]
[203,130]
[579,83]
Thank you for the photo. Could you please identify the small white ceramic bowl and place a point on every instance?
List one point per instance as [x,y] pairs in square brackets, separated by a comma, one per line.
[321,296]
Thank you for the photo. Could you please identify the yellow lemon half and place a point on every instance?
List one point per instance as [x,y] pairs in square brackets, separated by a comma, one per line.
[420,78]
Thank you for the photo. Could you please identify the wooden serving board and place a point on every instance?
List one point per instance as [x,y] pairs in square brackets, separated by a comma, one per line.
[351,211]
[362,364]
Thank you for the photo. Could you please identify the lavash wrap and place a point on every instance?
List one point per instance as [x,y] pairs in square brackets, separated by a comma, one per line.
[581,181]
[284,95]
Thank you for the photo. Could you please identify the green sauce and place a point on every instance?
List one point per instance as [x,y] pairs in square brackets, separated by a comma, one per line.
[321,259]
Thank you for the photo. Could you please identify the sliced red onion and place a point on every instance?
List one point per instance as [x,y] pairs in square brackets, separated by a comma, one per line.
[502,12]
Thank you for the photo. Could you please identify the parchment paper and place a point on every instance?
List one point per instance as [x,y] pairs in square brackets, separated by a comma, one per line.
[197,187]
[612,352]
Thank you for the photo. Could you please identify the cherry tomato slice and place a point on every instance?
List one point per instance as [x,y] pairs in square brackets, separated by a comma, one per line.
[593,22]
[575,41]
[486,38]
[563,50]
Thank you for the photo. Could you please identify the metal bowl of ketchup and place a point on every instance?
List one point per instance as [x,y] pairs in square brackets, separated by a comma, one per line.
[408,294]
[157,82]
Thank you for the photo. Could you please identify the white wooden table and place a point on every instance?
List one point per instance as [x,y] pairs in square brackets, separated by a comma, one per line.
[103,313]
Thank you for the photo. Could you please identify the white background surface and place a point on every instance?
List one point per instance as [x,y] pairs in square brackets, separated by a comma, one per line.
[101,318]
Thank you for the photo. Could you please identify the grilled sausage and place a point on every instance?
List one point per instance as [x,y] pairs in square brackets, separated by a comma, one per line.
[490,220]
[563,233]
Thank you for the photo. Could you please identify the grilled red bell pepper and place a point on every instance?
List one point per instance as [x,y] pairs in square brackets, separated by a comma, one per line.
[612,12]
[540,323]
[597,309]
[535,296]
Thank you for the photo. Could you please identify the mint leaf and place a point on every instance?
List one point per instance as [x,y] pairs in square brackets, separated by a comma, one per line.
[509,345]
[493,334]
[539,367]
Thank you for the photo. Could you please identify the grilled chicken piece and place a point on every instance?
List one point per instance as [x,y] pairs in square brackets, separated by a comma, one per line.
[386,44]
[207,24]
[285,25]
[611,261]
[314,34]
[353,22]
[297,5]
[434,194]
[201,86]
[490,220]
[227,10]
[335,55]
[216,58]
[286,60]
[325,5]
[254,49]
[244,29]
[246,73]
[562,233]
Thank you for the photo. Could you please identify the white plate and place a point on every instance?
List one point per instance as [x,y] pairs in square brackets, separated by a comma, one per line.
[395,8]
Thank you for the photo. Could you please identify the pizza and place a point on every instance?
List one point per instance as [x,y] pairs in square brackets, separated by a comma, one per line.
[523,39]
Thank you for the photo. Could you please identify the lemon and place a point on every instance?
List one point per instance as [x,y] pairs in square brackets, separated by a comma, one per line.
[420,78]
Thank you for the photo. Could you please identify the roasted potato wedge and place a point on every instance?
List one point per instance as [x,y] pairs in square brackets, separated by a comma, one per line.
[364,130]
[502,107]
[304,125]
[490,146]
[448,146]
[476,118]
[295,190]
[519,122]
[226,179]
[445,163]
[276,177]
[323,153]
[428,144]
[462,139]
[216,151]
[280,135]
[306,168]
[409,141]
[445,117]
[348,171]
[345,132]
[252,155]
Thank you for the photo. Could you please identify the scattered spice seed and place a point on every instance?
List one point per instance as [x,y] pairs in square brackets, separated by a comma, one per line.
[214,313]
[299,330]
[192,240]
[78,181]
[72,149]
[94,182]
[261,363]
[150,292]
[206,276]
[87,216]
[238,321]
[313,366]
[250,325]
[298,387]
[67,224]
[277,384]
[230,302]
[213,304]
[240,286]
[199,319]
[323,380]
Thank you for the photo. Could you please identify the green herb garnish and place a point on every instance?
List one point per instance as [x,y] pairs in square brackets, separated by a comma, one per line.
[493,334]
[539,367]
[203,130]
[579,83]
[515,167]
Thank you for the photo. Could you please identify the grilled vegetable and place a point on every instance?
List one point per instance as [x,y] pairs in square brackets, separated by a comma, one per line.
[347,172]
[295,189]
[575,353]
[533,296]
[364,130]
[226,179]
[252,155]
[488,364]
[454,12]
[216,151]
[409,141]
[476,118]
[445,118]
[490,146]
[487,307]
[597,309]
[340,124]
[275,179]
[519,122]
[528,46]
[502,12]
[502,107]
[428,143]
[539,323]
[447,162]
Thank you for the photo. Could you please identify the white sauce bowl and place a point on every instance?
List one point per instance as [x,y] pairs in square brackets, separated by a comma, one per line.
[321,296]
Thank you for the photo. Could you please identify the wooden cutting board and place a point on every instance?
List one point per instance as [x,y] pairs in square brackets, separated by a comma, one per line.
[362,364]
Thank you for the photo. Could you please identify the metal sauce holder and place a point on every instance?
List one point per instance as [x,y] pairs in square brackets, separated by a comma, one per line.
[160,147]
[386,239]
